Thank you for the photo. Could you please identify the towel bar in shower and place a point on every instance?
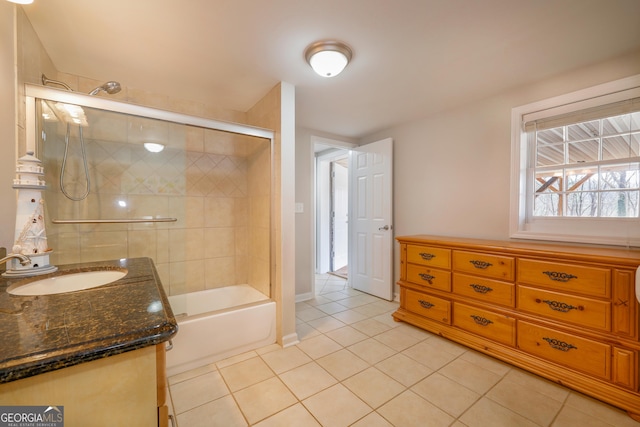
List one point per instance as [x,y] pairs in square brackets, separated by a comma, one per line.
[111,221]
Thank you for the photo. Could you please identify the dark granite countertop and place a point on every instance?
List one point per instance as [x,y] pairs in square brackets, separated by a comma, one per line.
[43,333]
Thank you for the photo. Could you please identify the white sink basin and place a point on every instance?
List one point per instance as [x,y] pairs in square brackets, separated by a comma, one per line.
[67,282]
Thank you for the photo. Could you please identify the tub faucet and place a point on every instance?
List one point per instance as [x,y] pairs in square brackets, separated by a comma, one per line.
[24,259]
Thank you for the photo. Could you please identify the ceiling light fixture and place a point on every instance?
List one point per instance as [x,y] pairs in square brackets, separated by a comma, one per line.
[153,147]
[21,1]
[328,57]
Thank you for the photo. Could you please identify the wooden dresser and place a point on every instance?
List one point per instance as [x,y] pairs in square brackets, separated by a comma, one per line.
[566,312]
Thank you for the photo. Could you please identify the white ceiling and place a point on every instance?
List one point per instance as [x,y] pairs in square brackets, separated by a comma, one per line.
[411,57]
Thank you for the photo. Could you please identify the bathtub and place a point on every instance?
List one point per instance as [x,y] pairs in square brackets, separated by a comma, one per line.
[209,331]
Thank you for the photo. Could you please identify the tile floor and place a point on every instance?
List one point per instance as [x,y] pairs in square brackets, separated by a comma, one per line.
[355,366]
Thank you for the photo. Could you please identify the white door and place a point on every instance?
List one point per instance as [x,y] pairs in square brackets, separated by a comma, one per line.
[371,219]
[339,215]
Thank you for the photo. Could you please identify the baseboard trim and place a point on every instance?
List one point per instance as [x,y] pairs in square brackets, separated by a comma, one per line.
[289,340]
[304,297]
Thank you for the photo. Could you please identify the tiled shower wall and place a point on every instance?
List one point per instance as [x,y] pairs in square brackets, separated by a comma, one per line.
[217,184]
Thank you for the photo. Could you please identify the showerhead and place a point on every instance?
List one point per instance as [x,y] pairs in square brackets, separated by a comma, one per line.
[109,87]
[47,81]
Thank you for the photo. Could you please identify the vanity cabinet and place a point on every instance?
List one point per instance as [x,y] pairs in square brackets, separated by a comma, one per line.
[98,352]
[125,389]
[566,312]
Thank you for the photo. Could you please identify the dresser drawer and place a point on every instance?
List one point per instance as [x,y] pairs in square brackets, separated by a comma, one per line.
[493,266]
[490,325]
[566,349]
[567,277]
[487,290]
[427,255]
[427,305]
[566,308]
[429,277]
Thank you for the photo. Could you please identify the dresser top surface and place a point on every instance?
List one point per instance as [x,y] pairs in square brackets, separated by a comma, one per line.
[616,254]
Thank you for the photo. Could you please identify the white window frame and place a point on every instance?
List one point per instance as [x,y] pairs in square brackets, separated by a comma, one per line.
[522,224]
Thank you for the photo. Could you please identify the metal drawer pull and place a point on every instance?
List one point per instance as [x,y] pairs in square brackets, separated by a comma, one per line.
[426,277]
[559,276]
[481,320]
[427,256]
[481,289]
[480,264]
[559,345]
[562,307]
[425,304]
[168,346]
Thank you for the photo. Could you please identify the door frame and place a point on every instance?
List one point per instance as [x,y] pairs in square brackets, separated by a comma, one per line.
[316,142]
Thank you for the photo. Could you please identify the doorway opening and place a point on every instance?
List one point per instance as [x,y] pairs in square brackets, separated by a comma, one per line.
[332,208]
[331,165]
[358,180]
[339,216]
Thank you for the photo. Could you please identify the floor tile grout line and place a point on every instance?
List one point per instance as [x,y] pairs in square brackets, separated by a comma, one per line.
[298,400]
[314,332]
[483,395]
[338,381]
[409,388]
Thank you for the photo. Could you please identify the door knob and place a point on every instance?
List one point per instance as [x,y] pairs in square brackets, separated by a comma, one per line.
[385,228]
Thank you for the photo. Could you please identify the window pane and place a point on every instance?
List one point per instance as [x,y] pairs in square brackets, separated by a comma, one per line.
[549,181]
[550,136]
[578,156]
[583,130]
[584,151]
[577,171]
[581,180]
[621,147]
[582,203]
[546,204]
[616,125]
[619,177]
[550,155]
[635,120]
[621,124]
[619,204]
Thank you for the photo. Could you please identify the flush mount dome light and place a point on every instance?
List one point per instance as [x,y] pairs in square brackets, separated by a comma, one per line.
[153,147]
[328,58]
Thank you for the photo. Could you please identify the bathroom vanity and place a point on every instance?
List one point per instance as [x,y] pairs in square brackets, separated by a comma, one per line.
[566,312]
[99,352]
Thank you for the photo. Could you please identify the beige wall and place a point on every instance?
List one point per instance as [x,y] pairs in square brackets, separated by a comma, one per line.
[26,63]
[7,123]
[305,233]
[305,264]
[451,170]
[183,253]
[276,110]
[213,182]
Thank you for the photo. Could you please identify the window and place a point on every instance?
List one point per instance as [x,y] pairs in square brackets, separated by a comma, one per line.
[576,166]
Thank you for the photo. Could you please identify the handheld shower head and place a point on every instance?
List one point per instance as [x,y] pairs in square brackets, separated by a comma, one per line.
[109,87]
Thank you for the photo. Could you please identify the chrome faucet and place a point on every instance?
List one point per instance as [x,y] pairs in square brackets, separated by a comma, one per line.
[24,259]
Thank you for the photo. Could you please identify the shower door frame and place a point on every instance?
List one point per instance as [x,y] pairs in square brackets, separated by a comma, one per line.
[33,92]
